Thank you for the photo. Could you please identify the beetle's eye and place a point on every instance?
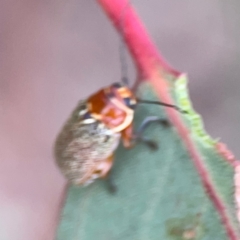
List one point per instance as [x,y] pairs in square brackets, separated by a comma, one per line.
[129,102]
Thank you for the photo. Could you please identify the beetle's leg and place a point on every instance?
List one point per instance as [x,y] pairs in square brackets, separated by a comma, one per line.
[150,143]
[130,139]
[104,167]
[127,137]
[146,122]
[111,186]
[103,171]
[151,119]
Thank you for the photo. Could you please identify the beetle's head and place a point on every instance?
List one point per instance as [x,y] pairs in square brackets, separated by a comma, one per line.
[125,95]
[122,93]
[115,105]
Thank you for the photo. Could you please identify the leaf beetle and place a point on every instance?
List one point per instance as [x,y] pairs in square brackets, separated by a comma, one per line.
[84,149]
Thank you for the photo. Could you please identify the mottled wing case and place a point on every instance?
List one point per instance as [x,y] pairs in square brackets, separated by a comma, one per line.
[80,145]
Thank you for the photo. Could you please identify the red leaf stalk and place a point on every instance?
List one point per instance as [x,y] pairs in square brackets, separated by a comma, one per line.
[144,53]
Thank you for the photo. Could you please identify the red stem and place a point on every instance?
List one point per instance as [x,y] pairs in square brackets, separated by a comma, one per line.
[153,68]
[143,51]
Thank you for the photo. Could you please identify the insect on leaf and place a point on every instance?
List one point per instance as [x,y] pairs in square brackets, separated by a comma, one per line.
[161,194]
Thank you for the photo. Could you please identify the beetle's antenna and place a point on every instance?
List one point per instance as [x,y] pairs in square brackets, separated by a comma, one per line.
[122,48]
[162,104]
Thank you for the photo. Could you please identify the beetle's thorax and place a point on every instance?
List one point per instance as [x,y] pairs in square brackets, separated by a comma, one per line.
[114,106]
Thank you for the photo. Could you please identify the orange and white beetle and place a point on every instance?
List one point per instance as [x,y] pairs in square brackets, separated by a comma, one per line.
[84,149]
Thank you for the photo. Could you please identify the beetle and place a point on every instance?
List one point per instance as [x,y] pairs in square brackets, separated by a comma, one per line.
[84,149]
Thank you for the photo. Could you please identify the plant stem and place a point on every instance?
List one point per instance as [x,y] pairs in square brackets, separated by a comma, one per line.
[144,53]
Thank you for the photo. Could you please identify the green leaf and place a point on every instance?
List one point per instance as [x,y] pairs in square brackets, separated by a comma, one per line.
[160,193]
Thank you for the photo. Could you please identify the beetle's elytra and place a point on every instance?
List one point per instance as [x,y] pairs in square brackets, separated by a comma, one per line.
[84,149]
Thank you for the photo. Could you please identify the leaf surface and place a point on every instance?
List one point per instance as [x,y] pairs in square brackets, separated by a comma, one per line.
[160,193]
